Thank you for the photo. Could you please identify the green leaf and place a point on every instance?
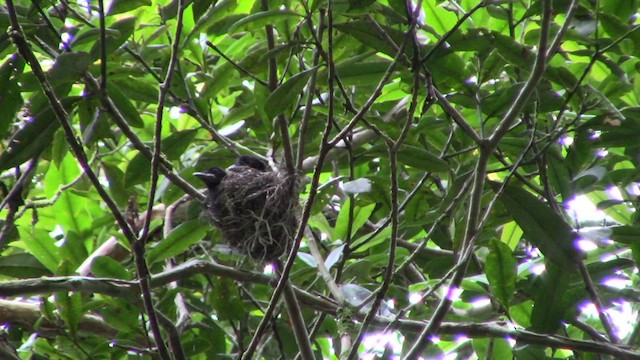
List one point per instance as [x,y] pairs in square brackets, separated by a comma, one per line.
[70,309]
[137,89]
[421,159]
[34,137]
[72,211]
[119,32]
[369,35]
[120,7]
[69,67]
[287,93]
[360,217]
[104,266]
[500,268]
[619,212]
[73,249]
[541,225]
[10,98]
[139,168]
[125,106]
[626,234]
[41,246]
[511,234]
[226,301]
[360,246]
[549,308]
[260,19]
[179,240]
[558,173]
[22,266]
[117,190]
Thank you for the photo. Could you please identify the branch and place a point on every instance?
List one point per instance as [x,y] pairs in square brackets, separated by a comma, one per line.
[130,290]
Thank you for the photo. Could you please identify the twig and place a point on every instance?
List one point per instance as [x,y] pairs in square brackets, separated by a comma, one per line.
[273,84]
[19,39]
[472,226]
[103,47]
[313,191]
[236,65]
[304,123]
[595,298]
[129,290]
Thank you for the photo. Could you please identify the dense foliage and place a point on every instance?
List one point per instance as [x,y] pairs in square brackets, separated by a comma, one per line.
[449,154]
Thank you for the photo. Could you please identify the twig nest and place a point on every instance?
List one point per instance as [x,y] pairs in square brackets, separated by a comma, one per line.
[255,211]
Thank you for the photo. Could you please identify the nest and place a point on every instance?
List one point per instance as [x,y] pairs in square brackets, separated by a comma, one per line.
[255,211]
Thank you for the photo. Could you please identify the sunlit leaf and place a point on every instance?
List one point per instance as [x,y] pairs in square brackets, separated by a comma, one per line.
[541,225]
[178,241]
[287,94]
[501,272]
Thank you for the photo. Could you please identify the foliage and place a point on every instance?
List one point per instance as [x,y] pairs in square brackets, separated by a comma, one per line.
[440,145]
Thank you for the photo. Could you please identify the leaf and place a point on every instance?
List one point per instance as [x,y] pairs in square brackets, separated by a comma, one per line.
[179,240]
[125,106]
[550,307]
[69,67]
[104,266]
[358,73]
[334,256]
[10,99]
[119,32]
[139,168]
[22,266]
[41,246]
[500,268]
[307,259]
[357,186]
[287,93]
[558,173]
[360,245]
[626,234]
[70,309]
[421,159]
[72,211]
[34,137]
[542,227]
[119,7]
[511,234]
[72,248]
[260,19]
[360,217]
[226,301]
[137,89]
[587,178]
[369,35]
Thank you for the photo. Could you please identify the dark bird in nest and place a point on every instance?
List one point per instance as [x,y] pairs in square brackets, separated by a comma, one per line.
[253,208]
[252,162]
[211,178]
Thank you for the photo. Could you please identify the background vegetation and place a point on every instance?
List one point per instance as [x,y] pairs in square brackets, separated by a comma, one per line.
[440,144]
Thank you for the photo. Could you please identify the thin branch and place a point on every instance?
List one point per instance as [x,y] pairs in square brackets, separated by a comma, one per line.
[472,229]
[308,108]
[129,290]
[103,47]
[236,65]
[273,84]
[595,298]
[313,191]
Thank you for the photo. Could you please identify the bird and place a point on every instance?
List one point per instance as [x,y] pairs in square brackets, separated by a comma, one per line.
[252,162]
[211,178]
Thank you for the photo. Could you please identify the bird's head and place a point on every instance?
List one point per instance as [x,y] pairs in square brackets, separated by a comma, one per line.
[212,177]
[252,162]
